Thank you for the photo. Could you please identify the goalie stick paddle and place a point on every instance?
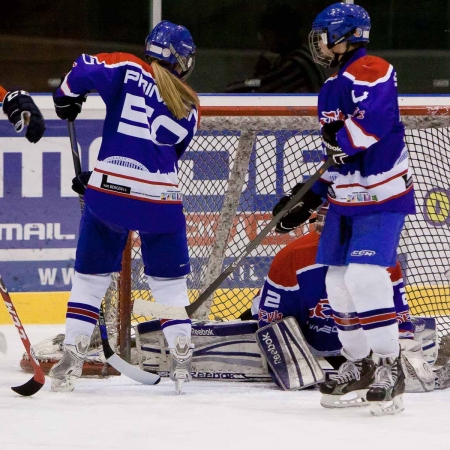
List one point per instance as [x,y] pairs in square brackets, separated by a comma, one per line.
[111,357]
[184,312]
[118,363]
[34,384]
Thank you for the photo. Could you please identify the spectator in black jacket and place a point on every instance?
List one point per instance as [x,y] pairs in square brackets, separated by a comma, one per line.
[293,69]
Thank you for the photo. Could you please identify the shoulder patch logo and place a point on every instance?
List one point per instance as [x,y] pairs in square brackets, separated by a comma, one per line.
[360,98]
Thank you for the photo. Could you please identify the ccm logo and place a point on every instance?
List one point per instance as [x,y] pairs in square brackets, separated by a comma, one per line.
[363,253]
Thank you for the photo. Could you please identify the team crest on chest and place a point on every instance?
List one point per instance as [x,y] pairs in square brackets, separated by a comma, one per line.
[331,116]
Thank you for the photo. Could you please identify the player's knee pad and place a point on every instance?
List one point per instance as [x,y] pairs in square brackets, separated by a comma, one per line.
[88,288]
[370,286]
[338,294]
[169,291]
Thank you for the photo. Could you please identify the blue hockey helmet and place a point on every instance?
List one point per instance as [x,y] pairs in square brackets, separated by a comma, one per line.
[173,46]
[341,22]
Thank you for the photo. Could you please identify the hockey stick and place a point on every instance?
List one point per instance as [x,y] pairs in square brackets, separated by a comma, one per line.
[75,155]
[120,364]
[35,384]
[111,357]
[145,308]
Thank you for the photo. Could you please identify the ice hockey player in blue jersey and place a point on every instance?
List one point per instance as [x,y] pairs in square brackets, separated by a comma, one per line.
[151,117]
[295,287]
[370,192]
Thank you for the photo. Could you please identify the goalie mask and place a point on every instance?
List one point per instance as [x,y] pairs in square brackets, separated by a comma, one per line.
[173,47]
[337,23]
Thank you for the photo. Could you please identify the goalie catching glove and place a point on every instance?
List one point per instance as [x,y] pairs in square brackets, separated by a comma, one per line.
[329,131]
[21,111]
[298,214]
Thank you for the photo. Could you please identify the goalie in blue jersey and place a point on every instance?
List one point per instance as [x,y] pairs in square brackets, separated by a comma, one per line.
[151,117]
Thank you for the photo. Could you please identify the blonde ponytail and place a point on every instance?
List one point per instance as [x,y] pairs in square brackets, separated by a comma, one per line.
[178,97]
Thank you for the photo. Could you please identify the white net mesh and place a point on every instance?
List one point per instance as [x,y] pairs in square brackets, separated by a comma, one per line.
[237,168]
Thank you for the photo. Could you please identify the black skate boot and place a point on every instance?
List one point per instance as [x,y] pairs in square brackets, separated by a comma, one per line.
[349,386]
[385,395]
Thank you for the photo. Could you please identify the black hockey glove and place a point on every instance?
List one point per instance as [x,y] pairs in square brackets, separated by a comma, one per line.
[300,213]
[21,111]
[80,182]
[68,108]
[329,131]
[284,200]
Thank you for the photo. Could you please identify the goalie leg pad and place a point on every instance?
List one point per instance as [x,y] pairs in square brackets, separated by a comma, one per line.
[223,351]
[419,376]
[443,377]
[425,332]
[288,355]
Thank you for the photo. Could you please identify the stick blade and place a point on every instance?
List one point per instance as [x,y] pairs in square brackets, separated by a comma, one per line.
[133,372]
[29,388]
[120,364]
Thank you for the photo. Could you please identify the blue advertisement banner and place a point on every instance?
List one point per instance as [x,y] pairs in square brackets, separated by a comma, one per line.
[40,213]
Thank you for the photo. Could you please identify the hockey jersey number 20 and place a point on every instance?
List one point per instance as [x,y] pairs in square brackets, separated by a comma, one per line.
[135,180]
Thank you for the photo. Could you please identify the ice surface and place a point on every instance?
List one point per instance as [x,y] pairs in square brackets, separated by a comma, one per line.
[119,413]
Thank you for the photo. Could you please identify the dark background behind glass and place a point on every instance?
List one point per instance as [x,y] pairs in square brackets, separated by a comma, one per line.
[40,39]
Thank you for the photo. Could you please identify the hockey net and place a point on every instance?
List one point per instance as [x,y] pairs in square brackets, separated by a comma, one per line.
[239,164]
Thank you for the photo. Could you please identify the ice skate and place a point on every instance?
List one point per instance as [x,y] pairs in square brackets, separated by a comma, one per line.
[180,362]
[349,387]
[70,367]
[385,395]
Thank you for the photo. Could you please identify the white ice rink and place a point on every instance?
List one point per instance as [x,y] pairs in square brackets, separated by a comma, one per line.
[118,413]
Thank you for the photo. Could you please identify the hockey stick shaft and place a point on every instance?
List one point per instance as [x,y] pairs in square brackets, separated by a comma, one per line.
[38,380]
[190,309]
[111,357]
[120,364]
[75,155]
[179,312]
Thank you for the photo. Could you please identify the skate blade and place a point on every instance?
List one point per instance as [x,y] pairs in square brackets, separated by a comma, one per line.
[350,400]
[179,383]
[389,407]
[67,385]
